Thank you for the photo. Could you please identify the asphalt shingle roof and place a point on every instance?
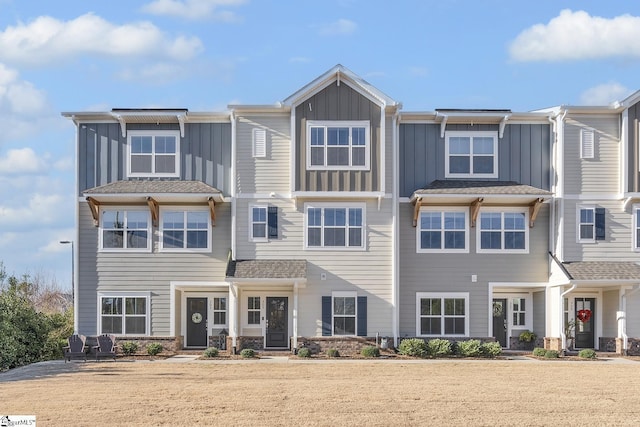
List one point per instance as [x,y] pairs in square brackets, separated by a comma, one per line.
[480,187]
[603,270]
[147,186]
[267,269]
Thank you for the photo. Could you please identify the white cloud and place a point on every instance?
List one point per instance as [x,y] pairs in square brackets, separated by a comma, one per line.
[19,96]
[604,94]
[340,27]
[154,73]
[41,209]
[22,161]
[576,36]
[194,9]
[46,40]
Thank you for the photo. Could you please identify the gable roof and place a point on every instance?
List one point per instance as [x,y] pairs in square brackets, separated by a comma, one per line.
[342,74]
[602,270]
[466,191]
[166,190]
[267,269]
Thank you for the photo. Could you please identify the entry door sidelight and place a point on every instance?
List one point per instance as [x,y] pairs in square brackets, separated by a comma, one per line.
[196,322]
[585,322]
[500,321]
[277,322]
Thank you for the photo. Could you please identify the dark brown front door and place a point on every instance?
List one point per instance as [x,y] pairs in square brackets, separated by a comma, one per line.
[277,322]
[585,322]
[196,322]
[500,321]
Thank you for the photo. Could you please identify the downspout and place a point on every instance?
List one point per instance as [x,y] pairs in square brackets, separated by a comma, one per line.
[233,297]
[395,233]
[622,318]
[563,337]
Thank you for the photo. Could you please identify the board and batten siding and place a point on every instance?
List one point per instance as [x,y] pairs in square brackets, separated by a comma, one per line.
[367,272]
[205,153]
[523,154]
[600,174]
[271,173]
[144,272]
[337,102]
[450,272]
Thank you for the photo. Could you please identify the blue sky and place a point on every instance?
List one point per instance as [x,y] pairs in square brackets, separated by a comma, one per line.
[206,54]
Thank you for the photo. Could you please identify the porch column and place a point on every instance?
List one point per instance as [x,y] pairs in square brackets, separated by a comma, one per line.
[295,315]
[233,314]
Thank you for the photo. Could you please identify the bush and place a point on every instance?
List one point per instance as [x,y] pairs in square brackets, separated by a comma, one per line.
[469,348]
[370,351]
[551,354]
[539,352]
[527,336]
[333,352]
[154,348]
[491,349]
[414,347]
[439,347]
[587,353]
[248,353]
[211,352]
[304,352]
[129,348]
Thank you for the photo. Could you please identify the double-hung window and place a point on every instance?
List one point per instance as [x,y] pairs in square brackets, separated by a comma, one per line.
[335,226]
[443,230]
[503,231]
[471,154]
[125,229]
[344,313]
[124,315]
[263,223]
[185,230]
[220,311]
[338,145]
[253,310]
[153,153]
[518,311]
[587,224]
[442,314]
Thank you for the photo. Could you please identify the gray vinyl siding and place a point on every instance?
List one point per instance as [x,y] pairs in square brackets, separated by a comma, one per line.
[633,316]
[610,300]
[267,174]
[539,313]
[145,272]
[618,242]
[600,174]
[205,153]
[367,272]
[447,272]
[633,153]
[337,103]
[523,154]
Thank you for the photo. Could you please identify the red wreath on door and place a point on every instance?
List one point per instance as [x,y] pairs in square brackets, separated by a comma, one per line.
[584,315]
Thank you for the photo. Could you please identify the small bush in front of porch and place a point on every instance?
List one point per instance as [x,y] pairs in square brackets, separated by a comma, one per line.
[527,336]
[587,353]
[129,348]
[370,351]
[211,352]
[491,349]
[333,352]
[154,348]
[551,354]
[304,352]
[539,352]
[439,347]
[414,347]
[248,353]
[469,348]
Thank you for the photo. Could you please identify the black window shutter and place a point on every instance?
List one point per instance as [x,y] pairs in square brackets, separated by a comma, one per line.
[362,317]
[326,316]
[273,222]
[600,228]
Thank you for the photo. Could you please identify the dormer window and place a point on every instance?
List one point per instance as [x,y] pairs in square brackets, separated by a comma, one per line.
[471,154]
[338,145]
[153,153]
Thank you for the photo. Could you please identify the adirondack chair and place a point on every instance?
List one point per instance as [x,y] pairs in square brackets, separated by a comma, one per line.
[75,348]
[106,346]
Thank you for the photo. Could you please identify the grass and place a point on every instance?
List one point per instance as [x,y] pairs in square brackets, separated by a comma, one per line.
[326,392]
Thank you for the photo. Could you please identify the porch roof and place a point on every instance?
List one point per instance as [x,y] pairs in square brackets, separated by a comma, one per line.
[155,187]
[478,188]
[287,269]
[603,270]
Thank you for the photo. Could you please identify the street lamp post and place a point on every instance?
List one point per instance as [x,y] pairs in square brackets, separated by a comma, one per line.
[73,271]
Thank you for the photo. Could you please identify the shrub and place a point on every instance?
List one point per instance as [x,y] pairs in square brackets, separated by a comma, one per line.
[491,349]
[211,352]
[439,347]
[469,348]
[333,352]
[370,351]
[154,348]
[414,347]
[304,352]
[587,353]
[551,354]
[539,352]
[129,348]
[527,336]
[248,353]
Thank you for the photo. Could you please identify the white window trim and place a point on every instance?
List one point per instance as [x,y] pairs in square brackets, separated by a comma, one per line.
[123,295]
[261,315]
[442,296]
[153,134]
[442,250]
[214,311]
[503,251]
[471,134]
[339,123]
[183,209]
[579,238]
[635,228]
[253,238]
[338,205]
[149,247]
[344,294]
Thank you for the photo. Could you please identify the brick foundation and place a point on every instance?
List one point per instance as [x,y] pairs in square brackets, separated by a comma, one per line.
[553,343]
[344,345]
[516,344]
[170,345]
